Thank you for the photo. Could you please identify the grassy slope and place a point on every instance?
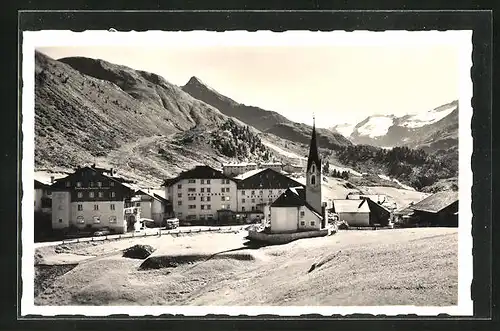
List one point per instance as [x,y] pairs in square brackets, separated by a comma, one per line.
[387,267]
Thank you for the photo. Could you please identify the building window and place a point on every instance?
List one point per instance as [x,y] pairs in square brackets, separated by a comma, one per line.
[302,213]
[209,207]
[313,168]
[202,190]
[202,198]
[111,183]
[312,223]
[179,195]
[242,192]
[179,203]
[253,200]
[99,184]
[202,207]
[91,184]
[60,220]
[101,194]
[210,216]
[252,193]
[68,184]
[260,192]
[192,207]
[191,198]
[191,189]
[242,200]
[137,204]
[179,186]
[80,207]
[112,219]
[209,190]
[179,215]
[313,180]
[113,194]
[80,220]
[270,199]
[191,181]
[97,220]
[96,207]
[112,206]
[223,189]
[303,223]
[91,194]
[78,184]
[253,208]
[209,198]
[202,181]
[208,181]
[80,194]
[242,208]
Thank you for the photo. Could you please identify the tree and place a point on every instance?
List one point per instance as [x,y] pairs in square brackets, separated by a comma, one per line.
[326,167]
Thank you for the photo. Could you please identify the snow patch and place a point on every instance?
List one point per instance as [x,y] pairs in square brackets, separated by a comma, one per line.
[344,129]
[283,152]
[376,126]
[430,117]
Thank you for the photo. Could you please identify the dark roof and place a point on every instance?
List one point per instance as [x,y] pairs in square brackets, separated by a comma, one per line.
[436,202]
[294,197]
[313,151]
[59,183]
[267,179]
[39,184]
[198,172]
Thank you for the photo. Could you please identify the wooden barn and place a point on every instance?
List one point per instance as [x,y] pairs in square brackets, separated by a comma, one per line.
[379,214]
[354,212]
[439,209]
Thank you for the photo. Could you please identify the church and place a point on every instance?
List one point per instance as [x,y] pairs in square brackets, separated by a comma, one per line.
[298,208]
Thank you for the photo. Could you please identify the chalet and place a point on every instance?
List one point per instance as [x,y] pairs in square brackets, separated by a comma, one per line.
[439,209]
[91,197]
[201,195]
[354,212]
[262,188]
[300,208]
[153,205]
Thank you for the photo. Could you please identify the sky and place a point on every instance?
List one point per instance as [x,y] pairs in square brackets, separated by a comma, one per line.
[338,84]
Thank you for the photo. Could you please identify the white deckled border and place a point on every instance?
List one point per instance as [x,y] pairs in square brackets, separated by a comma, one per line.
[151,39]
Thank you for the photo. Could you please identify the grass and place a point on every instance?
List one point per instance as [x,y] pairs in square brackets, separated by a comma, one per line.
[386,267]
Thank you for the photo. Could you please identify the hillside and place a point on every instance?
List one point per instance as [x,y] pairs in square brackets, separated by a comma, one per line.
[263,120]
[412,267]
[90,111]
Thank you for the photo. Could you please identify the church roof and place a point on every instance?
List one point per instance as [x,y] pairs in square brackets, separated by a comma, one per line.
[313,150]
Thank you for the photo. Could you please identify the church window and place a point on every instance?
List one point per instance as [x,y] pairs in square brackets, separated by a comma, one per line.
[313,169]
[313,180]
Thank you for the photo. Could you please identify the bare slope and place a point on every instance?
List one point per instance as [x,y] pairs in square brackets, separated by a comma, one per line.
[407,267]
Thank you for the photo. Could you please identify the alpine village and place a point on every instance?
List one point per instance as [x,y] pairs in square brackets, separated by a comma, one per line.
[124,157]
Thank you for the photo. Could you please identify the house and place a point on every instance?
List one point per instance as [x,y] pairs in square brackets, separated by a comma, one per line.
[276,166]
[300,208]
[153,206]
[92,198]
[262,188]
[201,195]
[439,209]
[43,199]
[354,212]
[234,169]
[379,214]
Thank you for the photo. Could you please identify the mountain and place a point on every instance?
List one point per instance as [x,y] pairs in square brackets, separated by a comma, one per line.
[261,119]
[433,130]
[89,110]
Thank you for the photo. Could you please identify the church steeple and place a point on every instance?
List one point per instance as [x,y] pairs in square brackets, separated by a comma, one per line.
[313,149]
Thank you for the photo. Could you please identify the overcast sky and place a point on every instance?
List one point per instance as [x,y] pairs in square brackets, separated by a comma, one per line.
[340,84]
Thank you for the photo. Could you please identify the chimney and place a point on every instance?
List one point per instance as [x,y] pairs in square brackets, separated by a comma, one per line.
[52,179]
[111,171]
[93,165]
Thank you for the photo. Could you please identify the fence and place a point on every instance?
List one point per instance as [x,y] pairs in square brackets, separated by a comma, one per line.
[151,233]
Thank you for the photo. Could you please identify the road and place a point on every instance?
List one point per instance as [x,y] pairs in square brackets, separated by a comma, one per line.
[145,232]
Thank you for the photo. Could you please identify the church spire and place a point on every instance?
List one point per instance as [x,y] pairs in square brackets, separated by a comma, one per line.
[313,149]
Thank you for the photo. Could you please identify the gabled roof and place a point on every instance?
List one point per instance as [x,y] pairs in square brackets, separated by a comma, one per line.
[350,206]
[152,195]
[268,179]
[313,151]
[40,185]
[436,202]
[294,197]
[198,172]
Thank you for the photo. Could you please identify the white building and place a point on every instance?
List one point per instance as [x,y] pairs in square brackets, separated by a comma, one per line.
[201,194]
[43,197]
[90,198]
[153,206]
[235,169]
[299,209]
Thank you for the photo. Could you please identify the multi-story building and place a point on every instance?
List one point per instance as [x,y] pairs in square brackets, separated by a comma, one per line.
[276,166]
[261,189]
[91,197]
[201,194]
[153,205]
[235,169]
[43,197]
